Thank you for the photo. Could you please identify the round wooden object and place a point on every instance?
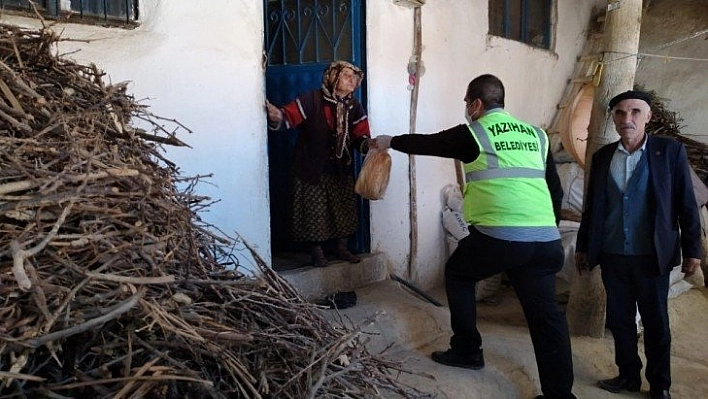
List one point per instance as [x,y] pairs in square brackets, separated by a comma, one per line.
[574,135]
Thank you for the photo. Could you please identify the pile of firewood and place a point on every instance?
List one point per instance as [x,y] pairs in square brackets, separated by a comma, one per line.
[668,123]
[111,286]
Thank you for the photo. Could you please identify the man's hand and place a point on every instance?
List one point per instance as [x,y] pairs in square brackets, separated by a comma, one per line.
[690,265]
[581,262]
[382,142]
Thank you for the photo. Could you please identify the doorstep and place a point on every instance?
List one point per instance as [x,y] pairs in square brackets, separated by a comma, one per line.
[314,283]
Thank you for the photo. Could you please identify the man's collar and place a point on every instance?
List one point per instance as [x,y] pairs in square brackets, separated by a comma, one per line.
[493,110]
[643,147]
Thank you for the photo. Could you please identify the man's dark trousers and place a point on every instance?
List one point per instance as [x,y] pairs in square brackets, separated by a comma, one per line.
[531,268]
[631,282]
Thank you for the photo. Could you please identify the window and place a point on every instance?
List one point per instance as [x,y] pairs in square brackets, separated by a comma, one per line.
[527,21]
[116,11]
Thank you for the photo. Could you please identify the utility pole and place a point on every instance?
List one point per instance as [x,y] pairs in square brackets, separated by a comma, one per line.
[617,68]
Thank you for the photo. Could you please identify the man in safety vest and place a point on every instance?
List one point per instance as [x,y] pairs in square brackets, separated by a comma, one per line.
[512,203]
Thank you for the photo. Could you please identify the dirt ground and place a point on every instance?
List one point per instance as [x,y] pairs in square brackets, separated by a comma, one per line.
[413,327]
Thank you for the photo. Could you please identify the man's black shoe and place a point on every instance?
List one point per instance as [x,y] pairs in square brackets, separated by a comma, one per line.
[474,361]
[620,383]
[662,394]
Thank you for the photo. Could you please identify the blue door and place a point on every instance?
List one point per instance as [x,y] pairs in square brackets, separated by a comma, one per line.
[302,37]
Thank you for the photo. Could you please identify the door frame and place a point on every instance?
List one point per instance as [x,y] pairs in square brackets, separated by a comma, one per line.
[288,72]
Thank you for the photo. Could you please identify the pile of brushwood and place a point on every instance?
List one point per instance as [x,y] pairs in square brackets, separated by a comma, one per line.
[110,284]
[665,122]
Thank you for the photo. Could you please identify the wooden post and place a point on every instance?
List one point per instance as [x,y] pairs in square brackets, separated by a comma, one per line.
[586,305]
[413,195]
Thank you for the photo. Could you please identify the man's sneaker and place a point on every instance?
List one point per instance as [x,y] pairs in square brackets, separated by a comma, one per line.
[620,383]
[474,361]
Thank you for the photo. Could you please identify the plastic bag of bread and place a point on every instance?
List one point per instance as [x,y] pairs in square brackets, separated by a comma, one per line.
[375,172]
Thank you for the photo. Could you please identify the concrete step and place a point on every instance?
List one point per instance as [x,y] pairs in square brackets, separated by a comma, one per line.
[315,283]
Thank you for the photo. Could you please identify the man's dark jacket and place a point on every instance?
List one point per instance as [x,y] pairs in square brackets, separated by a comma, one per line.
[672,202]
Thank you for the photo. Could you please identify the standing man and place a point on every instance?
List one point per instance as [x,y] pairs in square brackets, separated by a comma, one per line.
[638,198]
[512,203]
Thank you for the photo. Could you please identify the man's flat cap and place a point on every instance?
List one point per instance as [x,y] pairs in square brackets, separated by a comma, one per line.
[630,94]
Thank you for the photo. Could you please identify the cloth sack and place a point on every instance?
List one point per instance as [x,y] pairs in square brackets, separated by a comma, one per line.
[375,172]
[453,197]
[454,223]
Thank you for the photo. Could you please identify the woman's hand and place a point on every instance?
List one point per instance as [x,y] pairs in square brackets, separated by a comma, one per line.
[274,113]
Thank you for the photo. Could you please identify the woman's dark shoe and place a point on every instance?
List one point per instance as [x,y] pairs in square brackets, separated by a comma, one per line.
[343,252]
[345,255]
[474,361]
[620,383]
[318,257]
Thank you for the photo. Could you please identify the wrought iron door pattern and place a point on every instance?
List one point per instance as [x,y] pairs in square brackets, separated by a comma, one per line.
[309,31]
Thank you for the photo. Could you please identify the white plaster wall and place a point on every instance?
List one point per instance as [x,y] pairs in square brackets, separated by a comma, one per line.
[456,49]
[202,66]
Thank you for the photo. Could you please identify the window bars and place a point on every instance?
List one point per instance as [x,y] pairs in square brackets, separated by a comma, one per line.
[125,11]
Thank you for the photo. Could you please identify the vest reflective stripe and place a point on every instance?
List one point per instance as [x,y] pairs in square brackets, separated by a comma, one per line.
[504,173]
[506,193]
[485,144]
[542,139]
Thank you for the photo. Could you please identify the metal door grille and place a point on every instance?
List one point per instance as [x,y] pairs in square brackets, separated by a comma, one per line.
[308,31]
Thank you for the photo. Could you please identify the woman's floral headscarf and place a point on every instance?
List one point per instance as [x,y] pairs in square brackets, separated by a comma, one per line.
[330,79]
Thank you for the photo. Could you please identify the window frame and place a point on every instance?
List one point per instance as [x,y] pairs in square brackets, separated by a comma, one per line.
[78,13]
[522,22]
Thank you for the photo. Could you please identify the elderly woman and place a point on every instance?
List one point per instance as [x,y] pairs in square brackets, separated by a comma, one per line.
[331,123]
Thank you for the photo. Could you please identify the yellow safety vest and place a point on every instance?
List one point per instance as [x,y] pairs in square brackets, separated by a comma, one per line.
[506,185]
